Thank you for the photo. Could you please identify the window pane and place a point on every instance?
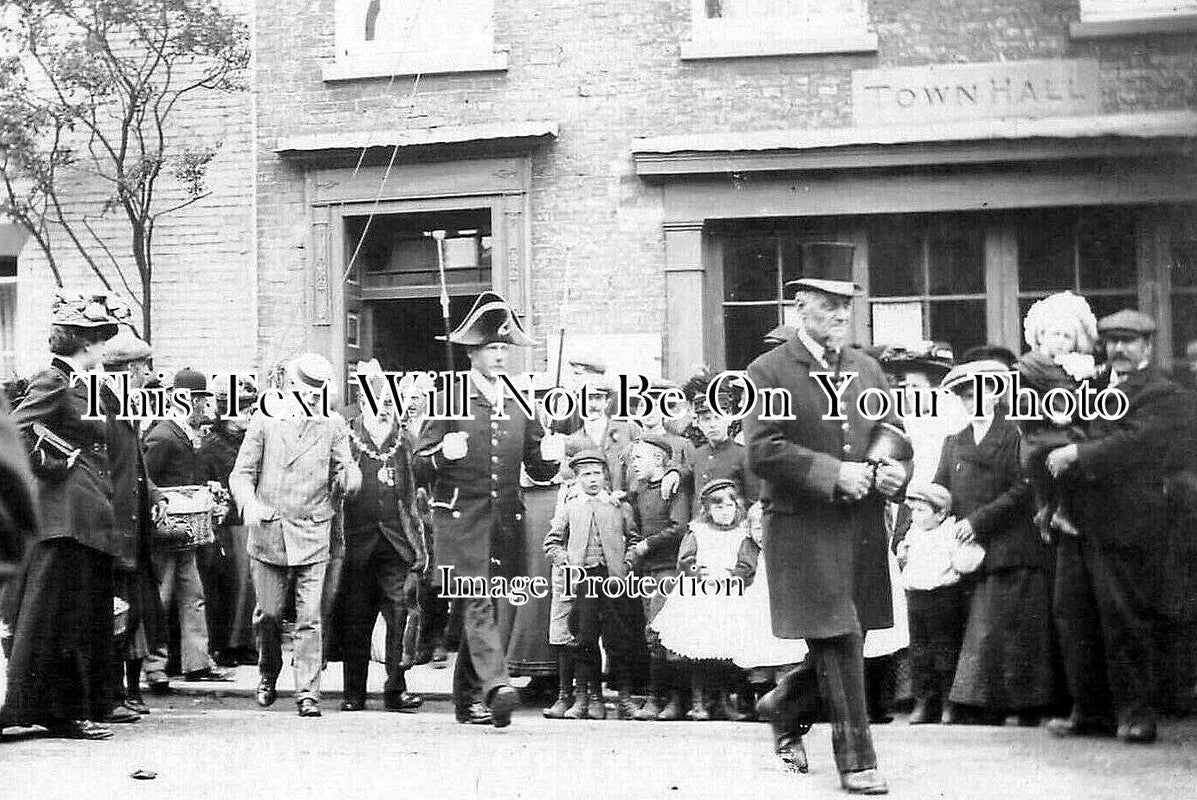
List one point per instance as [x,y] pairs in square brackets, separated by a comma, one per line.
[399,249]
[744,328]
[957,258]
[750,268]
[1184,259]
[1184,322]
[1045,252]
[1106,242]
[896,259]
[8,314]
[960,323]
[1105,305]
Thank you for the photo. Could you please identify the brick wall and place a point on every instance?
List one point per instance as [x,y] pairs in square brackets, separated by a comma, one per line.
[609,72]
[204,285]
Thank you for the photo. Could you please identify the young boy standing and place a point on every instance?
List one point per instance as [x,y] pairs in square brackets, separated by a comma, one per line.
[593,531]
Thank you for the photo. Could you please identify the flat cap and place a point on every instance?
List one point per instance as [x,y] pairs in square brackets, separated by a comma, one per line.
[1127,322]
[718,484]
[588,360]
[658,441]
[125,348]
[588,456]
[932,493]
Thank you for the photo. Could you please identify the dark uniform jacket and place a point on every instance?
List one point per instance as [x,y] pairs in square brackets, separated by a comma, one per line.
[134,494]
[75,502]
[729,460]
[477,506]
[381,512]
[988,490]
[828,570]
[662,524]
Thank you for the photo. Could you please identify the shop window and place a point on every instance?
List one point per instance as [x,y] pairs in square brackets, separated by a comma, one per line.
[380,38]
[8,317]
[401,250]
[1090,251]
[753,295]
[927,281]
[1183,272]
[742,28]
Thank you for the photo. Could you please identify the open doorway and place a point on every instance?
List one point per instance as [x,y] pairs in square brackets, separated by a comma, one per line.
[405,331]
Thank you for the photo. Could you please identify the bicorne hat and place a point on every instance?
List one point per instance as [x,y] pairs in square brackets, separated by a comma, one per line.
[491,320]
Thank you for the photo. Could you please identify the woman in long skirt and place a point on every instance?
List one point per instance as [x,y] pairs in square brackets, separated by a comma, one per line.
[1008,662]
[60,667]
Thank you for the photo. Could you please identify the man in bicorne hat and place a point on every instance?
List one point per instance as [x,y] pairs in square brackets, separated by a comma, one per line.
[1115,580]
[473,466]
[289,475]
[825,538]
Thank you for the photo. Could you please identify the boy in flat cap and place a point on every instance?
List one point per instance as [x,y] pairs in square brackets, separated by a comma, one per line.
[1114,580]
[593,531]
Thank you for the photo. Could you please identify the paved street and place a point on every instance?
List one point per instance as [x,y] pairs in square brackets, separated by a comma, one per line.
[213,746]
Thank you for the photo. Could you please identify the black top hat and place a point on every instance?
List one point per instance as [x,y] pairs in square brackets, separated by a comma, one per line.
[492,319]
[827,267]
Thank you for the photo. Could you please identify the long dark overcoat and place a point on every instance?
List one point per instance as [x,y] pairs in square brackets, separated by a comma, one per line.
[828,574]
[477,506]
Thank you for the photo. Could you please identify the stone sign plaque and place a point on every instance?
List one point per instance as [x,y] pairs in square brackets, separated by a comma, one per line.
[957,92]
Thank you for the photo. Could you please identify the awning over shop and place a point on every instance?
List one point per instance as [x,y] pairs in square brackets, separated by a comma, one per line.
[970,142]
[500,134]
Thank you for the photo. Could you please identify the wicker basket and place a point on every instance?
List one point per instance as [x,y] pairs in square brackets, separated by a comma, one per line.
[188,520]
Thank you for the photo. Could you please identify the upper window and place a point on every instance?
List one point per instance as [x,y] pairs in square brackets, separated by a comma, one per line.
[741,28]
[8,316]
[1131,17]
[380,38]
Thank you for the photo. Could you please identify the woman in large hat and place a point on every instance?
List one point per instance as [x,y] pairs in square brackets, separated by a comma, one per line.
[60,674]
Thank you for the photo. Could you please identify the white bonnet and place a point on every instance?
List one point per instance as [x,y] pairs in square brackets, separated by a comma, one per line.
[1062,305]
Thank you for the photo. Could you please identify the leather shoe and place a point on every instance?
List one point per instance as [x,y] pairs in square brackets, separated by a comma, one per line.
[503,701]
[1081,726]
[213,674]
[788,746]
[79,729]
[474,714]
[266,693]
[866,781]
[353,703]
[308,708]
[121,715]
[160,686]
[404,701]
[1137,732]
[137,704]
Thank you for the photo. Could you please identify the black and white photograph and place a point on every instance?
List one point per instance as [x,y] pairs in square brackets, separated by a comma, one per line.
[521,399]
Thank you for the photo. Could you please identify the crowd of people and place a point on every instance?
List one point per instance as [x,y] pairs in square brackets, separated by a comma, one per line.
[969,570]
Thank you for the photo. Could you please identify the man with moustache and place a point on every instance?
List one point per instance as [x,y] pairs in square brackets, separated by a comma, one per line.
[473,466]
[385,554]
[825,540]
[290,473]
[1115,580]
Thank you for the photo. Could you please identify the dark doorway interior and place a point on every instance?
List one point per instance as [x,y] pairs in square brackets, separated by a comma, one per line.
[405,333]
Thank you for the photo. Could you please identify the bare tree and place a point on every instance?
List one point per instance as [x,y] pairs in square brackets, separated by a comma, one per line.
[90,88]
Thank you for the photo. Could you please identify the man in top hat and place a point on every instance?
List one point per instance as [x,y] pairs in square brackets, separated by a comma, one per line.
[290,473]
[1115,580]
[473,466]
[825,536]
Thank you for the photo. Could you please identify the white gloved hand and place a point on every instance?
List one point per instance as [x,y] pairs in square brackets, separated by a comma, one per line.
[552,447]
[453,446]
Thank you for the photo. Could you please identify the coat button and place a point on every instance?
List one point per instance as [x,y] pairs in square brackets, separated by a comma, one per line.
[844,426]
[494,442]
[847,449]
[493,493]
[494,477]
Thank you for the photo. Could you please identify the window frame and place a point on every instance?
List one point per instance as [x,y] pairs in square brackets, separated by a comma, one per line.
[751,37]
[1118,18]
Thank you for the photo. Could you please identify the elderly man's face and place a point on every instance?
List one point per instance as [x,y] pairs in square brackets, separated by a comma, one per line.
[490,359]
[824,316]
[1127,352]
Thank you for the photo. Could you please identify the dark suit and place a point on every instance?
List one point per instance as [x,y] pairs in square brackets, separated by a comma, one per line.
[172,460]
[828,569]
[477,517]
[384,556]
[18,496]
[1115,583]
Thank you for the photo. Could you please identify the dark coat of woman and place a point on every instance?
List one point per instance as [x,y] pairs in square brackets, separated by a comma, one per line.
[60,665]
[1008,661]
[828,569]
[18,497]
